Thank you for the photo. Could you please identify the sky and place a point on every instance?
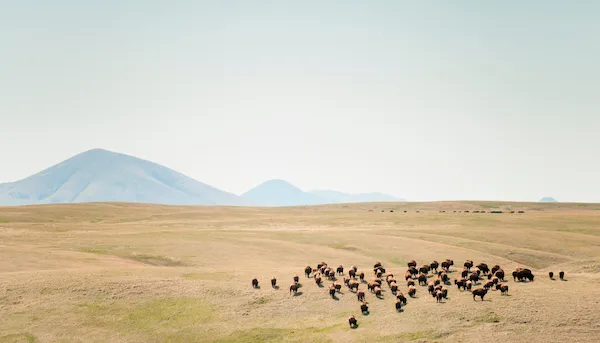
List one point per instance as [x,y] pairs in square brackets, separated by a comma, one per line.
[424,100]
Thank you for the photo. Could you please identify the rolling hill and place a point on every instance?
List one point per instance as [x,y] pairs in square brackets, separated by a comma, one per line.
[100,176]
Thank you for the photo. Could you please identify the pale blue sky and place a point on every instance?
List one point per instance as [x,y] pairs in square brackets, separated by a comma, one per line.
[425,100]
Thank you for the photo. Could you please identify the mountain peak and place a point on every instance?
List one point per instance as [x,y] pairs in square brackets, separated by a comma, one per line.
[100,175]
[278,192]
[548,199]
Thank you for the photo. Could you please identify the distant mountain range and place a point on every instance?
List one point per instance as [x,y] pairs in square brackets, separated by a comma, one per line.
[101,176]
[548,199]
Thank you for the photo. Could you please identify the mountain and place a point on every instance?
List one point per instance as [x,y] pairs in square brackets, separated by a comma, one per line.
[339,197]
[548,199]
[100,176]
[280,193]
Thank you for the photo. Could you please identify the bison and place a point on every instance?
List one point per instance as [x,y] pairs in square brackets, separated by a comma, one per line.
[523,274]
[354,268]
[360,295]
[352,273]
[337,286]
[479,292]
[401,297]
[307,271]
[500,274]
[488,285]
[340,270]
[438,296]
[474,278]
[422,279]
[412,290]
[561,275]
[469,285]
[502,288]
[462,283]
[495,269]
[412,263]
[464,273]
[394,287]
[444,277]
[410,282]
[430,287]
[332,291]
[551,275]
[364,308]
[255,283]
[377,291]
[353,285]
[468,264]
[294,288]
[398,305]
[273,282]
[352,321]
[483,267]
[413,271]
[296,278]
[434,265]
[361,276]
[318,280]
[424,269]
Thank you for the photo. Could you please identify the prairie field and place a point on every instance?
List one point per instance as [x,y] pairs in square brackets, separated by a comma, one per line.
[116,272]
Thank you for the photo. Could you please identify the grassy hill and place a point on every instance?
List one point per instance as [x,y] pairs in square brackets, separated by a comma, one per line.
[100,272]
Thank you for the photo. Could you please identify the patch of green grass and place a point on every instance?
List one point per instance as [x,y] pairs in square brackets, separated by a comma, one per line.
[488,317]
[4,220]
[343,247]
[155,260]
[398,262]
[94,251]
[259,301]
[18,338]
[96,220]
[260,335]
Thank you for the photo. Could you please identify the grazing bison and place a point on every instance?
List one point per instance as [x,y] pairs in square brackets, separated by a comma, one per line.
[474,278]
[515,274]
[500,274]
[413,271]
[307,271]
[561,275]
[424,269]
[352,321]
[444,278]
[331,275]
[464,273]
[371,285]
[412,290]
[332,291]
[479,292]
[294,288]
[410,282]
[551,275]
[422,279]
[412,263]
[483,267]
[502,288]
[340,270]
[352,273]
[523,274]
[462,283]
[434,266]
[360,295]
[398,305]
[361,276]
[273,282]
[255,283]
[379,273]
[364,308]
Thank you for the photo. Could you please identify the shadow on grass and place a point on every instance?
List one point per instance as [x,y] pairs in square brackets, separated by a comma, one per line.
[298,294]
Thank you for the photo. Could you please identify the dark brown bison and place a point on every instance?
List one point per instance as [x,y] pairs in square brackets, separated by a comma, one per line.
[489,277]
[514,274]
[332,291]
[468,264]
[410,282]
[474,278]
[364,308]
[352,321]
[483,267]
[434,266]
[401,297]
[495,268]
[352,273]
[340,270]
[424,269]
[371,285]
[407,276]
[561,275]
[412,290]
[446,264]
[461,283]
[354,268]
[438,296]
[331,275]
[377,265]
[398,305]
[412,263]
[307,271]
[379,273]
[488,285]
[495,280]
[318,280]
[437,281]
[296,278]
[445,292]
[523,274]
[479,292]
[444,277]
[360,295]
[551,275]
[502,288]
[394,287]
[255,283]
[430,287]
[422,279]
[321,265]
[464,273]
[361,276]
[500,274]
[413,271]
[294,288]
[273,282]
[338,287]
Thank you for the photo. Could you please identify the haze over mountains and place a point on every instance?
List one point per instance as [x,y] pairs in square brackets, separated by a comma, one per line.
[101,176]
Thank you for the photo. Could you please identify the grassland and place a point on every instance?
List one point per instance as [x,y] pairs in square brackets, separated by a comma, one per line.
[149,273]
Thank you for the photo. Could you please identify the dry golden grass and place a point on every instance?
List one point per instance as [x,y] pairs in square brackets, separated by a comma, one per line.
[149,273]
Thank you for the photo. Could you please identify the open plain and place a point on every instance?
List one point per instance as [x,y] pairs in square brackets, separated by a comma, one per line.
[115,272]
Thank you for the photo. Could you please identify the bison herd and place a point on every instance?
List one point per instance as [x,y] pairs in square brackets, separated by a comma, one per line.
[478,279]
[467,211]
